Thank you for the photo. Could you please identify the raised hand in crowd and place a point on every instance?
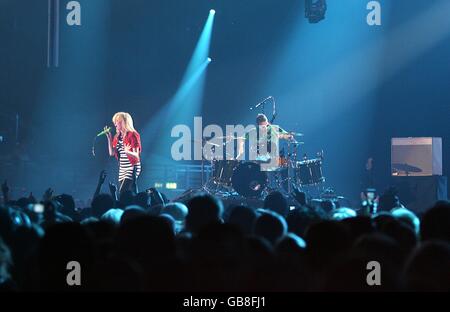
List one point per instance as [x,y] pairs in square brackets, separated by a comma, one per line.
[113,191]
[48,194]
[101,180]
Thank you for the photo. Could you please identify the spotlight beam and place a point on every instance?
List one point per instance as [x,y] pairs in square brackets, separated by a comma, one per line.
[201,51]
[186,102]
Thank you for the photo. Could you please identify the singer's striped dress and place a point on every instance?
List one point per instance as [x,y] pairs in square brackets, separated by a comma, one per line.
[125,167]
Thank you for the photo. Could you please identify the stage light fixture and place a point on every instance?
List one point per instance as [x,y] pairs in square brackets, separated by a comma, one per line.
[212,11]
[315,10]
[209,60]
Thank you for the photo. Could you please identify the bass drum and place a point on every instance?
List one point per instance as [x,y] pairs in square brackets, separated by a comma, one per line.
[248,179]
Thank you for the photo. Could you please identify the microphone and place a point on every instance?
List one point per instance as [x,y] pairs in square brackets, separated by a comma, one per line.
[104,131]
[262,102]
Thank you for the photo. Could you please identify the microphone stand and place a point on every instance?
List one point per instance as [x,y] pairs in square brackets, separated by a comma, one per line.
[274,112]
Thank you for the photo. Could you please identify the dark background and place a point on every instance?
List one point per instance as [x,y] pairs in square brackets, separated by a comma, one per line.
[347,86]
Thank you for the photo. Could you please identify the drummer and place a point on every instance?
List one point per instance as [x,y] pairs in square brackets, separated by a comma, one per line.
[265,132]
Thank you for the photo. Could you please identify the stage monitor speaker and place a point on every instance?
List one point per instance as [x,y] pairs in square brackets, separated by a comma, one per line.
[416,156]
[420,193]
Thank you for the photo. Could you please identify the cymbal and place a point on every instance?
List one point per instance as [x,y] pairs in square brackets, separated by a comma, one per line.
[230,137]
[211,143]
[406,168]
[205,142]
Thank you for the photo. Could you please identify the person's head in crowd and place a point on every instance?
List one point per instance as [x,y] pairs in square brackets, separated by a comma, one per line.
[300,196]
[169,220]
[150,242]
[244,217]
[276,202]
[102,233]
[382,218]
[358,226]
[23,249]
[291,263]
[402,233]
[80,204]
[428,267]
[132,212]
[28,235]
[258,249]
[165,198]
[380,247]
[408,217]
[328,206]
[220,242]
[89,220]
[203,209]
[217,254]
[291,240]
[143,200]
[30,211]
[85,213]
[270,225]
[67,205]
[259,257]
[126,199]
[436,222]
[300,219]
[178,211]
[343,213]
[23,202]
[389,200]
[19,218]
[157,197]
[51,213]
[6,224]
[6,262]
[260,211]
[100,204]
[112,216]
[326,241]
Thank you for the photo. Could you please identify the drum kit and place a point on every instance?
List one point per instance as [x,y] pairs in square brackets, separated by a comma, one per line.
[249,179]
